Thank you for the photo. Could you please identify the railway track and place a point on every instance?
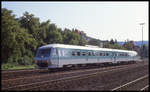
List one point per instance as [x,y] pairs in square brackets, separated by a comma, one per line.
[145,88]
[59,71]
[137,84]
[13,74]
[37,85]
[113,80]
[6,75]
[20,74]
[12,82]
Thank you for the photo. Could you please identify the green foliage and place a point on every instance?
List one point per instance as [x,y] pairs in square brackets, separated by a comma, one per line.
[53,35]
[44,26]
[31,24]
[25,60]
[73,38]
[12,67]
[129,45]
[82,41]
[113,46]
[7,66]
[116,46]
[112,41]
[22,36]
[15,40]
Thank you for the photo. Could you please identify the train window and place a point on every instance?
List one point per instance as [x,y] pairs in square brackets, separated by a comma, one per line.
[43,52]
[73,53]
[78,53]
[107,54]
[121,54]
[83,53]
[89,53]
[100,54]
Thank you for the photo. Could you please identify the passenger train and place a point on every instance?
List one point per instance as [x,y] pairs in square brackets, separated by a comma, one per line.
[61,55]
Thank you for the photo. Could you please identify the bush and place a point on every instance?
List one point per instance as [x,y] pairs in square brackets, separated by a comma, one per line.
[28,53]
[25,60]
[13,60]
[7,66]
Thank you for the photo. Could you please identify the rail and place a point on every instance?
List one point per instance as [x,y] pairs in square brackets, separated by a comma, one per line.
[129,83]
[38,84]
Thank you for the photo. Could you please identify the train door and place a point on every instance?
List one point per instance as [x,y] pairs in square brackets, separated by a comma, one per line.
[55,57]
[114,57]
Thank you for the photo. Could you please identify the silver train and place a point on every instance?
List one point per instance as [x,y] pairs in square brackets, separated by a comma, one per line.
[61,55]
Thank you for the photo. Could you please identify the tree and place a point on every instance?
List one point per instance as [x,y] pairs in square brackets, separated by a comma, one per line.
[113,46]
[44,27]
[65,35]
[70,37]
[129,45]
[73,38]
[31,24]
[116,46]
[53,35]
[112,41]
[82,41]
[13,37]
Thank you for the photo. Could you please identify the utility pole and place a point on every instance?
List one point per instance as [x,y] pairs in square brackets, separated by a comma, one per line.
[142,24]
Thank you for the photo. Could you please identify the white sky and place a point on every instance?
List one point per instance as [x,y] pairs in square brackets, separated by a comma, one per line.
[101,20]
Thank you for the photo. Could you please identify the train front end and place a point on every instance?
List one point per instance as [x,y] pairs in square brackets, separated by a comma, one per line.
[43,58]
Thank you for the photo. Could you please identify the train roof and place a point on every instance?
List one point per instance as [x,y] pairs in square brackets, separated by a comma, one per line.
[83,47]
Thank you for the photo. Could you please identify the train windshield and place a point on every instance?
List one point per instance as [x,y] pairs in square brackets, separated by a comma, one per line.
[43,52]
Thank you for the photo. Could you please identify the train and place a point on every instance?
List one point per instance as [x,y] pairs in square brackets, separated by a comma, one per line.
[53,56]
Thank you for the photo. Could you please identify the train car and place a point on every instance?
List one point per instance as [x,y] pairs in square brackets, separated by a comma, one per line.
[61,55]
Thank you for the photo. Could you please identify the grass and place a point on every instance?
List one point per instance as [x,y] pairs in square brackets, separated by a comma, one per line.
[17,67]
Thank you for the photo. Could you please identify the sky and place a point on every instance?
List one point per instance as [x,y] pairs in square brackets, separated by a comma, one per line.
[100,20]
